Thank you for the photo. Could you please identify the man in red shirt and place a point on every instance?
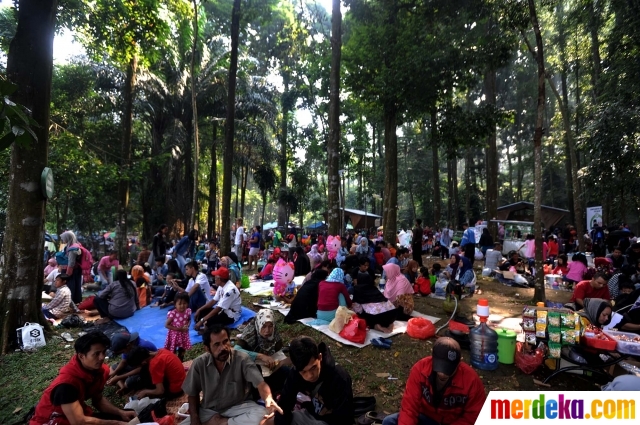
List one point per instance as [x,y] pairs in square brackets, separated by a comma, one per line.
[440,390]
[594,288]
[83,378]
[165,372]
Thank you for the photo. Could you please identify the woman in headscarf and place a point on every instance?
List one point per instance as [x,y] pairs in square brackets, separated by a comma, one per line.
[261,340]
[372,306]
[142,282]
[411,272]
[596,312]
[301,262]
[398,290]
[363,247]
[72,253]
[451,270]
[314,256]
[332,293]
[466,276]
[305,304]
[231,262]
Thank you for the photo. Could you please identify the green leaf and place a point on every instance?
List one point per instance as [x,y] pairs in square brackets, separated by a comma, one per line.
[7,88]
[7,140]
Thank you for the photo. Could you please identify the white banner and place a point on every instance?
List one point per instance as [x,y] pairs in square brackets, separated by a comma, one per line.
[522,407]
[594,215]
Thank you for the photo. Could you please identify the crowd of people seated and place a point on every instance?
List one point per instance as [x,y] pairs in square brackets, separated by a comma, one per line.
[224,384]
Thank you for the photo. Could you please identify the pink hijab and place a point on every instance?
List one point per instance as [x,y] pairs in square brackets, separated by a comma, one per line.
[396,283]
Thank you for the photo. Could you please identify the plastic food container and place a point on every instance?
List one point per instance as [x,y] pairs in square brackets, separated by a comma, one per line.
[625,347]
[183,411]
[600,344]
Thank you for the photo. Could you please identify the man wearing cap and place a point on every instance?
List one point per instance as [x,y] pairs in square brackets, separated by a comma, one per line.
[228,305]
[440,390]
[122,374]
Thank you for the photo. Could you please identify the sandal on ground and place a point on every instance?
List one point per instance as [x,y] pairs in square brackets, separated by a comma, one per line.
[375,416]
[376,342]
[387,341]
[364,420]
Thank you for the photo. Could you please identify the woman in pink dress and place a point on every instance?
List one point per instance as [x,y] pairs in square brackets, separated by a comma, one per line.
[178,321]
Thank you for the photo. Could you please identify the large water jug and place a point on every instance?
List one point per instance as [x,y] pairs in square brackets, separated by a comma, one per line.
[484,341]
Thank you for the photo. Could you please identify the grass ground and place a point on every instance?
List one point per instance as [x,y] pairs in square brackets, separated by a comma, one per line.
[23,376]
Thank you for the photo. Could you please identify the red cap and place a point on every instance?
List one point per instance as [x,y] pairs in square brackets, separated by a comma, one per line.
[483,302]
[223,272]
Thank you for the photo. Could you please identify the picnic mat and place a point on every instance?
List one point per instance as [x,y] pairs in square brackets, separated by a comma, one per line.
[263,287]
[149,323]
[398,328]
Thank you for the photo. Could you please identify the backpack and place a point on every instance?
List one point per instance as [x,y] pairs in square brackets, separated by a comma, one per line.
[85,260]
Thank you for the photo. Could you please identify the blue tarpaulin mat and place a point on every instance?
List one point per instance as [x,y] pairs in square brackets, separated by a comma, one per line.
[149,323]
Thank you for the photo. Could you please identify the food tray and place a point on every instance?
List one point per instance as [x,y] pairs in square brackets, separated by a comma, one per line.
[608,344]
[625,347]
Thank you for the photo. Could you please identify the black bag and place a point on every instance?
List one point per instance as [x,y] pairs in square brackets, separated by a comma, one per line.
[72,321]
[159,408]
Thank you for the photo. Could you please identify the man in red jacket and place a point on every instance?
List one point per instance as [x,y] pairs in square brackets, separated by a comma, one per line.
[440,390]
[83,378]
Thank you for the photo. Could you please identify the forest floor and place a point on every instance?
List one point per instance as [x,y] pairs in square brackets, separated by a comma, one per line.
[23,376]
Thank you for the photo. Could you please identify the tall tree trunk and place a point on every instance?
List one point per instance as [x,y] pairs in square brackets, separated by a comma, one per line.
[126,151]
[437,201]
[333,146]
[193,222]
[491,154]
[213,184]
[243,190]
[456,204]
[568,163]
[236,210]
[468,164]
[539,292]
[520,172]
[408,181]
[450,193]
[510,171]
[577,195]
[29,65]
[390,209]
[225,242]
[596,62]
[284,132]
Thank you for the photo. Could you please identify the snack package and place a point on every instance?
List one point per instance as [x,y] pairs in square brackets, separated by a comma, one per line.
[529,312]
[541,330]
[553,319]
[554,335]
[568,320]
[569,336]
[528,324]
[530,337]
[541,317]
[554,350]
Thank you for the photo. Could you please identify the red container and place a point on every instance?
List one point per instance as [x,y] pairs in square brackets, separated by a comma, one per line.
[600,344]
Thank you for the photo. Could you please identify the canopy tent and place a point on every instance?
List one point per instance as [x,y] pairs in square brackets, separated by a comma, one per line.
[269,226]
[316,226]
[523,211]
[358,219]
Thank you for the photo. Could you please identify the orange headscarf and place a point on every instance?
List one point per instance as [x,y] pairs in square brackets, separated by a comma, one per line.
[138,272]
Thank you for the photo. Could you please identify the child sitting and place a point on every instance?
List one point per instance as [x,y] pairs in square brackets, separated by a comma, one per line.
[169,293]
[267,271]
[436,269]
[422,287]
[144,292]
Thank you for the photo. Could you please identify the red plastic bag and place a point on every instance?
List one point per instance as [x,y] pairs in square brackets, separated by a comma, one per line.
[165,420]
[355,330]
[420,328]
[528,362]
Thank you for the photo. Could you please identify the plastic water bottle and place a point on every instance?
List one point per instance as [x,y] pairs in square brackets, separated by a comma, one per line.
[484,341]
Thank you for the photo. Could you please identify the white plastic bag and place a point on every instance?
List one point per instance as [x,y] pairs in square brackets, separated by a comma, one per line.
[31,336]
[139,405]
[343,316]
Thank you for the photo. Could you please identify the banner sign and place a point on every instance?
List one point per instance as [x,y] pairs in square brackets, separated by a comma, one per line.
[594,216]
